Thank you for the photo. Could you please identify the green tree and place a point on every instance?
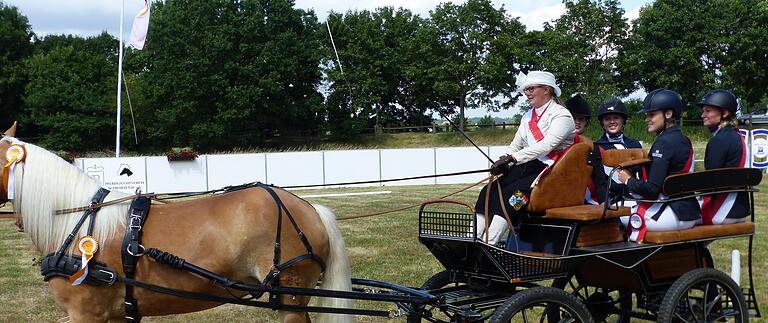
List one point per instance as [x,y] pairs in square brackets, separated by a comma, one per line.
[15,46]
[465,57]
[692,46]
[70,94]
[486,121]
[373,50]
[230,73]
[580,48]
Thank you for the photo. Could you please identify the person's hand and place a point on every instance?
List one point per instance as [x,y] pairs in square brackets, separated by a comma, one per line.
[624,176]
[501,165]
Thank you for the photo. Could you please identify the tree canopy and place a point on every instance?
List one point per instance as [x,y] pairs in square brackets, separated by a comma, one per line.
[219,74]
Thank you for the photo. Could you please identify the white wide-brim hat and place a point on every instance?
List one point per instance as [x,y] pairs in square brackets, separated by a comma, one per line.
[540,78]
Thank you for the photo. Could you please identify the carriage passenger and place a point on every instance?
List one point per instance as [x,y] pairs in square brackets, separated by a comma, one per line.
[613,116]
[545,131]
[671,153]
[726,148]
[581,113]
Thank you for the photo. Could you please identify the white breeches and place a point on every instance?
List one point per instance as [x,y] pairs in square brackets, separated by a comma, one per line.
[495,229]
[666,222]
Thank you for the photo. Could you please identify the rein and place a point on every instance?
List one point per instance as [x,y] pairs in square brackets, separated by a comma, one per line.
[154,196]
[412,205]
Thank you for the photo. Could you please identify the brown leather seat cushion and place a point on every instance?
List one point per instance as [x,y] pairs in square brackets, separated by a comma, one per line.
[584,213]
[564,185]
[700,232]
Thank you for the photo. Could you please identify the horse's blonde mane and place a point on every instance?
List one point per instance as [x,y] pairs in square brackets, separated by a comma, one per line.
[46,183]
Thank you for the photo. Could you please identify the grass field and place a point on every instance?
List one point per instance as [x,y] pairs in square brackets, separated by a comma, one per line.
[383,248]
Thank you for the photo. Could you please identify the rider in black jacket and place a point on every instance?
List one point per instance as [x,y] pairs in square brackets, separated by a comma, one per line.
[613,118]
[671,153]
[725,149]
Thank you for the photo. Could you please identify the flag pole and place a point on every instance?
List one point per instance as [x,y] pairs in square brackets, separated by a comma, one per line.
[119,81]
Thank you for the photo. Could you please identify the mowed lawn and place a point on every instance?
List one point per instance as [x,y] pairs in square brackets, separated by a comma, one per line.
[383,247]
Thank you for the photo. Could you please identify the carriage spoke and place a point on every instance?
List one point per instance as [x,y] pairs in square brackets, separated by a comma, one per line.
[690,308]
[710,305]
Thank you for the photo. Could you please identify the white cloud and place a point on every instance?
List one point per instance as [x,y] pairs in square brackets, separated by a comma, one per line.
[633,14]
[534,20]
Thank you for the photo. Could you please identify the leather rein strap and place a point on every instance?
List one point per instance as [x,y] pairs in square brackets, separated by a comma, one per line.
[89,212]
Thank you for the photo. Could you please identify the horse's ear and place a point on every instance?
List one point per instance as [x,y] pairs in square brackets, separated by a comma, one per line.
[11,132]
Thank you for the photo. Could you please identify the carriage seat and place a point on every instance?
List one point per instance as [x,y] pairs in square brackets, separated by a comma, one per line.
[700,232]
[566,181]
[585,213]
[560,194]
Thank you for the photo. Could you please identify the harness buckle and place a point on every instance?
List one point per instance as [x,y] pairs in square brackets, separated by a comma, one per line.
[135,254]
[135,222]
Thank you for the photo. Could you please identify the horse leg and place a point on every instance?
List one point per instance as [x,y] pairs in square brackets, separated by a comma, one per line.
[308,278]
[82,303]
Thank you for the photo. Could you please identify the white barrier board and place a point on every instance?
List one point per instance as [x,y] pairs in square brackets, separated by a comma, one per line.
[459,159]
[165,176]
[295,168]
[400,163]
[341,166]
[226,170]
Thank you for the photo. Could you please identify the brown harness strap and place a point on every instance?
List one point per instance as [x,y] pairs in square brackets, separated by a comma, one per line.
[506,214]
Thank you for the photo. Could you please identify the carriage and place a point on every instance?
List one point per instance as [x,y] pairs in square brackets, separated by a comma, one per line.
[595,273]
[582,249]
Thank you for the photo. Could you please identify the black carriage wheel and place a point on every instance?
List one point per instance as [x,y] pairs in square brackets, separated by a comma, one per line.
[533,304]
[704,295]
[437,281]
[605,305]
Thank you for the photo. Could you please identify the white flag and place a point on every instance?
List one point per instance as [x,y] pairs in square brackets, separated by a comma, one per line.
[140,28]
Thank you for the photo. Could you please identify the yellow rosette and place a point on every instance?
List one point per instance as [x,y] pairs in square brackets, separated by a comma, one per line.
[88,247]
[15,154]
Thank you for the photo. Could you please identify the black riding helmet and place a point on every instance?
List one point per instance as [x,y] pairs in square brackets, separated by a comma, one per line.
[612,106]
[578,107]
[722,99]
[663,99]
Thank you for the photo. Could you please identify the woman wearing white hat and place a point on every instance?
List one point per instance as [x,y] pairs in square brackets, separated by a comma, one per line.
[545,131]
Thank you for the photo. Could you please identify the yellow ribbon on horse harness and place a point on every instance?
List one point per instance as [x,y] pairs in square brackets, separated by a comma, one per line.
[14,155]
[88,247]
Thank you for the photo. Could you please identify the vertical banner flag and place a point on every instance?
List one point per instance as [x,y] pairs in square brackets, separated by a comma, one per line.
[747,140]
[759,148]
[140,27]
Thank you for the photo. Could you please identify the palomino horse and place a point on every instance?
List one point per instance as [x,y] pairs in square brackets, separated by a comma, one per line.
[232,234]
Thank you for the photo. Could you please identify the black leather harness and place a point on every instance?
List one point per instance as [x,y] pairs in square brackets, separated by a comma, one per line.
[61,264]
[131,250]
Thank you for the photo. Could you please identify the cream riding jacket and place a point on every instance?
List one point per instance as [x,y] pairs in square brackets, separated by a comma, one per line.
[556,124]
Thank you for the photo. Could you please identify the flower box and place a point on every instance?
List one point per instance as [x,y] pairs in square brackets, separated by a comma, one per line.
[179,154]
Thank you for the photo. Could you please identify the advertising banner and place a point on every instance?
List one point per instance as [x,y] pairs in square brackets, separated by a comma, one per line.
[759,145]
[118,174]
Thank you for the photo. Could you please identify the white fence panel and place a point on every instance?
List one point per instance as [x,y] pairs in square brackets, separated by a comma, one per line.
[399,163]
[225,170]
[295,168]
[342,166]
[165,176]
[458,159]
[497,151]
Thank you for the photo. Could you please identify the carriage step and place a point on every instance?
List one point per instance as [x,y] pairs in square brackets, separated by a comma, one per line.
[470,302]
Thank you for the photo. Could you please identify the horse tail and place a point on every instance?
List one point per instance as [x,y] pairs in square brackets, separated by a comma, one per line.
[337,274]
